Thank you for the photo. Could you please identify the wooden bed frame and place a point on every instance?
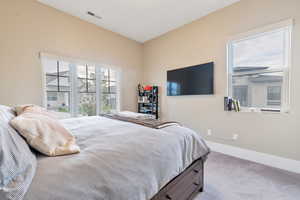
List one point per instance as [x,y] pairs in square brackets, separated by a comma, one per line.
[186,185]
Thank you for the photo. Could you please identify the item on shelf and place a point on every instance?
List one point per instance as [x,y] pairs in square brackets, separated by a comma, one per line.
[141,89]
[231,104]
[148,88]
[148,100]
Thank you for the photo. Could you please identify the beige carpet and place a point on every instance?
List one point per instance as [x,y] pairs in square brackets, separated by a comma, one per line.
[229,178]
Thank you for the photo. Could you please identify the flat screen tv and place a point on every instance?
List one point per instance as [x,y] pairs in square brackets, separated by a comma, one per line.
[193,80]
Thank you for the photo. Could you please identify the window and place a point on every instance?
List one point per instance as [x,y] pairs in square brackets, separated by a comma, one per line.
[86,79]
[241,92]
[58,86]
[108,90]
[274,96]
[258,66]
[80,89]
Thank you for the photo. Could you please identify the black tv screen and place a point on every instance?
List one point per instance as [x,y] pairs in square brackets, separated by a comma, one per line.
[194,80]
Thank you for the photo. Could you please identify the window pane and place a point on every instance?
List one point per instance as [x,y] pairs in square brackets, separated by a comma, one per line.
[104,86]
[240,92]
[81,85]
[267,50]
[50,67]
[51,83]
[274,96]
[87,104]
[64,69]
[108,87]
[64,84]
[113,75]
[58,101]
[81,71]
[274,93]
[91,72]
[104,74]
[91,86]
[113,87]
[108,103]
[252,89]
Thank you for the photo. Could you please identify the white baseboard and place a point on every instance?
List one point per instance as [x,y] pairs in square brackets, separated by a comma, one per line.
[262,158]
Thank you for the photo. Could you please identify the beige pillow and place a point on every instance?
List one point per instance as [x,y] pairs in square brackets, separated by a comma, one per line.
[43,131]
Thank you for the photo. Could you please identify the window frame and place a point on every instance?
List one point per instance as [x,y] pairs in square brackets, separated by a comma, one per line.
[58,90]
[86,91]
[109,81]
[286,90]
[74,91]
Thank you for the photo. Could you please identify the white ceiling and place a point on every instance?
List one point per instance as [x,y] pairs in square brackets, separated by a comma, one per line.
[140,20]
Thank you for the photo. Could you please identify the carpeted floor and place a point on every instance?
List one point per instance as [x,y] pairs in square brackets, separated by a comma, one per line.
[229,178]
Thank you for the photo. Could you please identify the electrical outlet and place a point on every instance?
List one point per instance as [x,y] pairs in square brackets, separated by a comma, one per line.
[209,132]
[235,136]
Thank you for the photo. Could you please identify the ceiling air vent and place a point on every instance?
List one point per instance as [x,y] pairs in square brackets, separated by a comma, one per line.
[93,15]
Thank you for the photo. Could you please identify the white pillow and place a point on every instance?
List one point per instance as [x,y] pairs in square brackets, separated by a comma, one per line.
[43,131]
[134,115]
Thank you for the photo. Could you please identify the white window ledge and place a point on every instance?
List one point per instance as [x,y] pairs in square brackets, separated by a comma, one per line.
[263,110]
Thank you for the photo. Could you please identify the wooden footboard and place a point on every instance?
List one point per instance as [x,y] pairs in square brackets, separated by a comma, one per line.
[186,185]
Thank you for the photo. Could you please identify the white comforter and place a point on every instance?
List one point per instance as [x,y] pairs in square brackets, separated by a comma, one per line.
[118,161]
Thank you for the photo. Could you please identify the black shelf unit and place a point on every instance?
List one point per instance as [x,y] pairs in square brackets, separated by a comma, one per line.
[148,101]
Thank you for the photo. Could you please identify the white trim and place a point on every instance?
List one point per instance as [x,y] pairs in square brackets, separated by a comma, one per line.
[119,90]
[118,85]
[44,85]
[262,30]
[258,157]
[73,93]
[98,89]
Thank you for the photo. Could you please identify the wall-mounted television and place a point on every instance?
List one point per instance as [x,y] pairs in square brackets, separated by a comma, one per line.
[193,80]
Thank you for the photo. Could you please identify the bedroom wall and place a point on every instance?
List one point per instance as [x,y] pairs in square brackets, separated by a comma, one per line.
[205,40]
[28,27]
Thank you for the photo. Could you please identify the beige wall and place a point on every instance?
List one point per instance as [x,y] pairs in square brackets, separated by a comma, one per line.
[28,27]
[205,40]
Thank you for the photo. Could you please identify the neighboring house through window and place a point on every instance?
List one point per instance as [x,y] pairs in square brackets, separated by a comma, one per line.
[240,92]
[274,96]
[80,89]
[58,86]
[259,65]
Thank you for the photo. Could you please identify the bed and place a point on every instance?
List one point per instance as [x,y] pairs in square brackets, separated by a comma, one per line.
[122,161]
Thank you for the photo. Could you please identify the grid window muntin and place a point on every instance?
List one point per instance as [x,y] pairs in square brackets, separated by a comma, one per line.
[109,97]
[58,89]
[73,93]
[86,80]
[87,98]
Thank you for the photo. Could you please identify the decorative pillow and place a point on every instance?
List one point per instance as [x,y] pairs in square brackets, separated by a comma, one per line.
[43,131]
[17,162]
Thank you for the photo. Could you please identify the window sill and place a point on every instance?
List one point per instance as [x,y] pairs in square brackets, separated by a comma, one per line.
[263,111]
